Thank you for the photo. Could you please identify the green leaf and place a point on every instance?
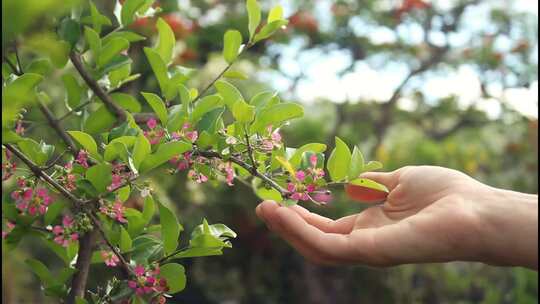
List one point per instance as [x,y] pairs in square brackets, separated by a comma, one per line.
[231,45]
[58,250]
[159,68]
[372,166]
[276,115]
[296,158]
[129,8]
[119,147]
[136,222]
[127,102]
[235,75]
[269,30]
[53,211]
[37,152]
[165,45]
[93,40]
[97,19]
[157,105]
[170,229]
[164,153]
[99,121]
[125,240]
[275,14]
[141,150]
[228,92]
[357,163]
[74,91]
[87,142]
[41,271]
[175,276]
[364,182]
[205,105]
[149,209]
[306,160]
[219,231]
[100,176]
[129,36]
[254,15]
[146,247]
[114,47]
[41,66]
[123,193]
[70,31]
[339,161]
[65,274]
[243,112]
[18,94]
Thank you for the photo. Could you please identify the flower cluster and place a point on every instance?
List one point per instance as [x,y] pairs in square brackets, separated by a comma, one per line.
[120,173]
[29,200]
[155,132]
[147,282]
[182,162]
[306,182]
[67,233]
[186,133]
[274,141]
[228,170]
[82,158]
[8,167]
[110,258]
[67,178]
[9,227]
[114,210]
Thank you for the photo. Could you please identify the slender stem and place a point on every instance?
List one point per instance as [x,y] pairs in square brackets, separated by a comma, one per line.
[55,124]
[76,109]
[250,151]
[94,86]
[55,161]
[99,228]
[18,59]
[218,77]
[12,66]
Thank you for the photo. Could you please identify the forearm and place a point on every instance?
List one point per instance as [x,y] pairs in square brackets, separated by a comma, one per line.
[511,229]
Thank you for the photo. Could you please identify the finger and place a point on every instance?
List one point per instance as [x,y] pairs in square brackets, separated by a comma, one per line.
[330,247]
[267,211]
[389,179]
[342,226]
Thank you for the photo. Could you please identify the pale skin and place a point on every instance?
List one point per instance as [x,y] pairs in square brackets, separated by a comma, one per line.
[432,214]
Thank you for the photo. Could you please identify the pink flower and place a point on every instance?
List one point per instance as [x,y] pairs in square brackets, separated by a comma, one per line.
[291,187]
[139,270]
[310,188]
[58,230]
[229,171]
[152,123]
[65,234]
[276,137]
[132,284]
[19,129]
[313,160]
[27,195]
[114,210]
[300,175]
[110,258]
[192,136]
[116,182]
[9,227]
[82,158]
[67,221]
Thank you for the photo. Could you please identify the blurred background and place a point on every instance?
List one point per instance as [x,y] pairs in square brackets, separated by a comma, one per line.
[450,83]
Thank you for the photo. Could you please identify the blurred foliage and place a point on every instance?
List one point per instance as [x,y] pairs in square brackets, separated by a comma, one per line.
[499,151]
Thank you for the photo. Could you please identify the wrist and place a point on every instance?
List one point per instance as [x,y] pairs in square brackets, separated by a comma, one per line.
[509,222]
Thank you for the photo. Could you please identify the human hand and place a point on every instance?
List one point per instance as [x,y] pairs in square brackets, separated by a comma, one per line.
[432,214]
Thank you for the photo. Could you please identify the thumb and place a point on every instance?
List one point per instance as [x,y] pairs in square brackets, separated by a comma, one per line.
[389,179]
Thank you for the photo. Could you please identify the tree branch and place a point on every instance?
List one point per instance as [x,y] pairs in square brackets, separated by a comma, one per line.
[84,259]
[94,86]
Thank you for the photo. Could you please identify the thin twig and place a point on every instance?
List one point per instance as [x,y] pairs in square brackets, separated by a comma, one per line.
[74,110]
[94,86]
